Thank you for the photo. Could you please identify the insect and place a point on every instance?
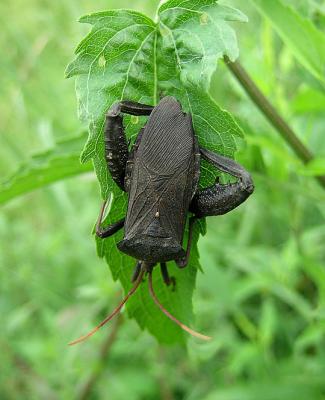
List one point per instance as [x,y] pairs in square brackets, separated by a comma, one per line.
[160,175]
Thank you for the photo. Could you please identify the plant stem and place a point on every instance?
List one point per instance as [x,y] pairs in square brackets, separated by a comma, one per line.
[88,387]
[166,392]
[271,114]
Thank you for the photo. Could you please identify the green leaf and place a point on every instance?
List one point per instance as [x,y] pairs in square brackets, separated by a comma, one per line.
[309,101]
[306,42]
[58,163]
[200,32]
[128,56]
[316,167]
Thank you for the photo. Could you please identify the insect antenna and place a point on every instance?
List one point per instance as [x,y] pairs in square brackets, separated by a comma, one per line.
[167,313]
[112,315]
[101,215]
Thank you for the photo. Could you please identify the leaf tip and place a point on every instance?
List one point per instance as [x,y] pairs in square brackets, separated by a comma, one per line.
[84,19]
[86,155]
[69,71]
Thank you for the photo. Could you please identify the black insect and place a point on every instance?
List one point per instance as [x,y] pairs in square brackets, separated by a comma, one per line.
[160,175]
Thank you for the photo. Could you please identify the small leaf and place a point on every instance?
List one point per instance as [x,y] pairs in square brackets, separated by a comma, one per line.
[306,42]
[58,163]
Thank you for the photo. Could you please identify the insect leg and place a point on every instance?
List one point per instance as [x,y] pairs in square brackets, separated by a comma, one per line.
[219,199]
[182,263]
[133,108]
[165,275]
[116,146]
[110,229]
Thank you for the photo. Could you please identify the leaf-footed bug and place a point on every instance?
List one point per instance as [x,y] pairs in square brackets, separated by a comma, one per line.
[160,175]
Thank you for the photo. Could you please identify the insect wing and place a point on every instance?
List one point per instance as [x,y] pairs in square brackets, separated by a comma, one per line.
[162,176]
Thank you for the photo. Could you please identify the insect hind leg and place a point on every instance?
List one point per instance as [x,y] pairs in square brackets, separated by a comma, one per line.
[219,199]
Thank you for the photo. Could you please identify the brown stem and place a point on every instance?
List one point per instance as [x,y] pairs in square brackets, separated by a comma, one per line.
[271,114]
[166,392]
[88,387]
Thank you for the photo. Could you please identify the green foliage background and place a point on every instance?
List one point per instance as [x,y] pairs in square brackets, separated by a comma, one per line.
[262,294]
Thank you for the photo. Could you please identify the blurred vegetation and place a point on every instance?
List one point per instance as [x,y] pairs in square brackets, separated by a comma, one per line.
[262,293]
